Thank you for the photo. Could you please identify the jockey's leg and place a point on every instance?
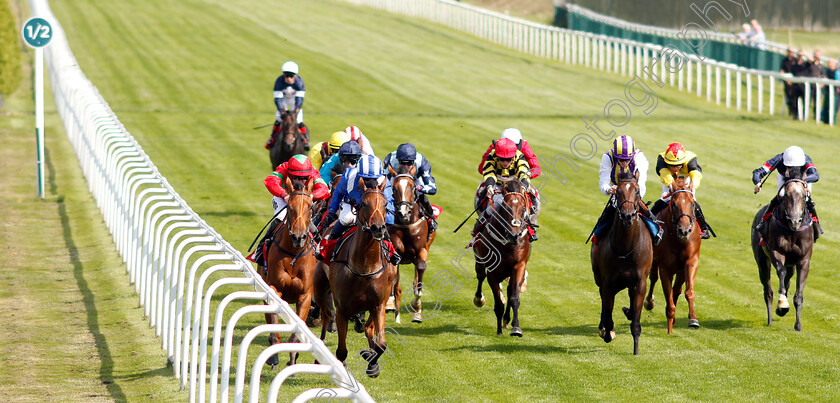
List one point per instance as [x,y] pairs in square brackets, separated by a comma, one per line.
[658,206]
[426,205]
[305,132]
[767,213]
[536,207]
[264,244]
[657,236]
[701,219]
[274,131]
[604,222]
[817,227]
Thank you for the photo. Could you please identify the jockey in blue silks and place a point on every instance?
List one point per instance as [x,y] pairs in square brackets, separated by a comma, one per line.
[347,157]
[424,182]
[348,192]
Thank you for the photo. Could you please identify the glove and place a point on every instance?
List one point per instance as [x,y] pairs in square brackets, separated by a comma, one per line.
[329,219]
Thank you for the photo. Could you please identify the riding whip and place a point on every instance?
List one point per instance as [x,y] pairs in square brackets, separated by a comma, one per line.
[260,127]
[266,225]
[465,220]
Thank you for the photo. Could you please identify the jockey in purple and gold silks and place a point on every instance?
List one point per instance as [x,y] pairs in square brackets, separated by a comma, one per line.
[624,157]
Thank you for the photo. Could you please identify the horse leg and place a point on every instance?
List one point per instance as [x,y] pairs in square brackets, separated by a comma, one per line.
[498,305]
[397,296]
[778,261]
[670,306]
[273,338]
[303,304]
[691,272]
[375,333]
[514,292]
[764,276]
[480,274]
[802,270]
[506,303]
[605,328]
[654,275]
[637,296]
[419,270]
[341,325]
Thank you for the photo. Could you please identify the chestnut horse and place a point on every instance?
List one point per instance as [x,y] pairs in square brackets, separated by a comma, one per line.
[290,261]
[289,143]
[502,250]
[622,260]
[410,235]
[361,276]
[676,257]
[789,243]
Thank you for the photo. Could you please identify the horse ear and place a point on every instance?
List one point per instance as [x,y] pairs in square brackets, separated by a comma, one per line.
[287,181]
[638,174]
[309,185]
[362,183]
[381,185]
[391,171]
[413,170]
[782,192]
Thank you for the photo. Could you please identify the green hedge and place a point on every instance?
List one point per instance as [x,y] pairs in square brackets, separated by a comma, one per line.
[10,71]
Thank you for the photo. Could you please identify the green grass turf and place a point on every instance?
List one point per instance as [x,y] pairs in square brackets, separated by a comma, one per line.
[808,41]
[189,80]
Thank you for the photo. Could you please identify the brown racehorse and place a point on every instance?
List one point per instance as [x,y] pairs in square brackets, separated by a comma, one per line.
[676,257]
[290,261]
[622,259]
[289,143]
[502,250]
[789,243]
[410,235]
[361,276]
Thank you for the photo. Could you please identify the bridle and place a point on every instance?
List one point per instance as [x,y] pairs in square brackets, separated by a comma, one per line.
[411,188]
[366,225]
[515,222]
[676,218]
[635,203]
[783,193]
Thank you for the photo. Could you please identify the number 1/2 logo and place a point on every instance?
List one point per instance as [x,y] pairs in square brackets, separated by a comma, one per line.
[37,32]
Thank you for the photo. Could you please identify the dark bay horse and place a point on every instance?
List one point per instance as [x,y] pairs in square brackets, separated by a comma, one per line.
[289,142]
[361,276]
[789,243]
[502,250]
[410,235]
[677,256]
[622,259]
[290,259]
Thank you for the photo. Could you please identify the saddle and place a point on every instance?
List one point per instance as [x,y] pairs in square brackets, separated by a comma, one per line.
[329,252]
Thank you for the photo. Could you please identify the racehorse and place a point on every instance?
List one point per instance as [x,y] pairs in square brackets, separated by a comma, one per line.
[289,143]
[410,235]
[361,276]
[678,254]
[789,243]
[290,261]
[502,250]
[623,260]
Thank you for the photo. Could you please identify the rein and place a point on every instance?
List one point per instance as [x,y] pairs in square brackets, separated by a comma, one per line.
[410,204]
[366,228]
[309,245]
[618,212]
[785,224]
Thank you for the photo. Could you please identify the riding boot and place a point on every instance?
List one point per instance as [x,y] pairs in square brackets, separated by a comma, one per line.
[604,221]
[658,206]
[657,237]
[274,131]
[772,206]
[534,217]
[305,132]
[394,257]
[701,219]
[817,227]
[426,205]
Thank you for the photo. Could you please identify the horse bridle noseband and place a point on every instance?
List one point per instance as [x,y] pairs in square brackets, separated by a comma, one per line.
[513,222]
[383,249]
[635,203]
[804,210]
[410,204]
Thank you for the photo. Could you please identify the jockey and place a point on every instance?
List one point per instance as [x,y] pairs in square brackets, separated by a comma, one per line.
[424,182]
[515,136]
[347,157]
[321,152]
[297,167]
[504,161]
[674,162]
[356,134]
[288,95]
[795,158]
[624,157]
[348,194]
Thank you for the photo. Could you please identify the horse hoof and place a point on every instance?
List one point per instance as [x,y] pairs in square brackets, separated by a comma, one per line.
[397,318]
[417,318]
[649,304]
[372,370]
[358,324]
[797,327]
[479,301]
[331,328]
[516,331]
[782,311]
[693,323]
[390,306]
[273,361]
[608,337]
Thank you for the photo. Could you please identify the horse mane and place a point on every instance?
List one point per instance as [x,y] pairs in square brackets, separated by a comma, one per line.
[795,172]
[299,184]
[513,186]
[628,176]
[681,183]
[403,169]
[370,183]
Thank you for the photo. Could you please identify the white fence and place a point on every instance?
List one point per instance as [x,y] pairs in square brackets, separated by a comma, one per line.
[158,235]
[726,84]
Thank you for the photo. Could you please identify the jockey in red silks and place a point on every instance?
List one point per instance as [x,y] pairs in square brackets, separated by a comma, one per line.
[298,167]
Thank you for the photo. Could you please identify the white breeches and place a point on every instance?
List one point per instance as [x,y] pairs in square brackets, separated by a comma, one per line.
[345,215]
[278,204]
[289,105]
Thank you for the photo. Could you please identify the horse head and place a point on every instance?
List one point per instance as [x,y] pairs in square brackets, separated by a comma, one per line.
[793,195]
[682,206]
[373,207]
[513,212]
[627,198]
[300,210]
[290,129]
[404,192]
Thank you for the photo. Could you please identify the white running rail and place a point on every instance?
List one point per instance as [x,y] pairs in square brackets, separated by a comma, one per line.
[727,84]
[159,237]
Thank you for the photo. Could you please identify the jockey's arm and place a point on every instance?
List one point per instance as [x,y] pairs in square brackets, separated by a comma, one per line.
[811,174]
[300,92]
[274,184]
[642,166]
[533,161]
[320,190]
[389,196]
[484,159]
[315,155]
[604,171]
[695,172]
[327,167]
[339,193]
[427,183]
